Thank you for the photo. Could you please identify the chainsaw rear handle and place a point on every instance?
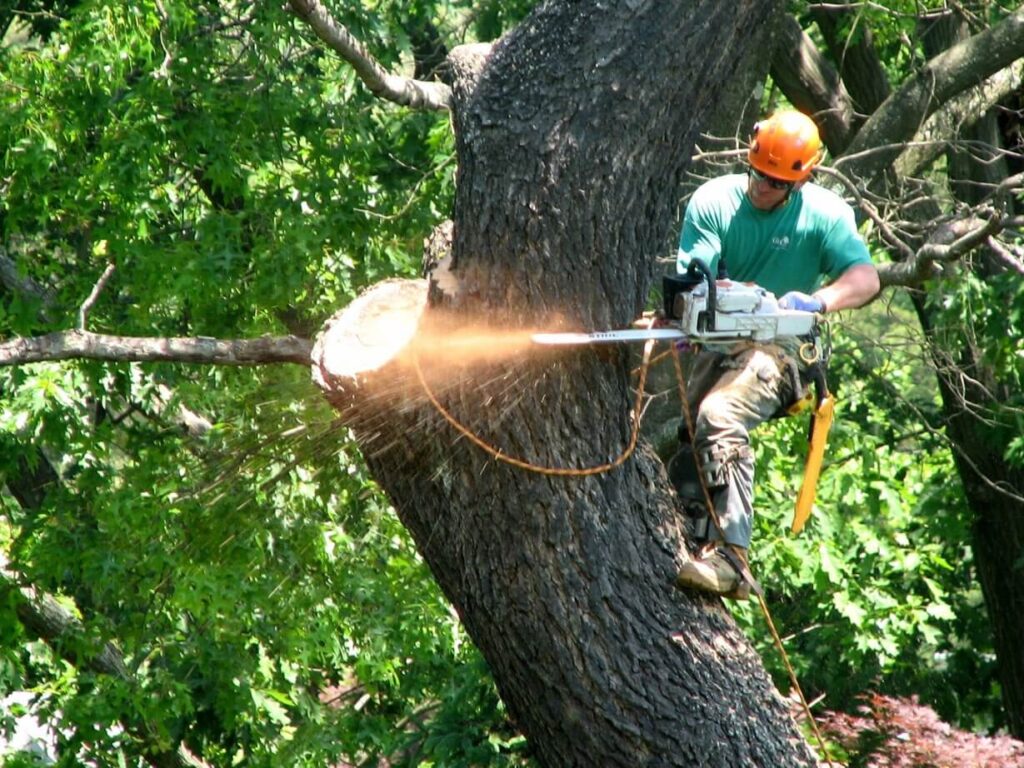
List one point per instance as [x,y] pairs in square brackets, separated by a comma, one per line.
[673,285]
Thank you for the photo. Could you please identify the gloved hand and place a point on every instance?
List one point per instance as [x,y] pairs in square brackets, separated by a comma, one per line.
[802,302]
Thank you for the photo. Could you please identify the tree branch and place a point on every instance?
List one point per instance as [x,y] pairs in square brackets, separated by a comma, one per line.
[1005,255]
[944,76]
[812,84]
[889,236]
[74,344]
[87,305]
[851,43]
[408,92]
[949,243]
[942,127]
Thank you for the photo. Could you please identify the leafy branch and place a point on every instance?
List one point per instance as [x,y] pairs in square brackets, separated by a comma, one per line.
[47,619]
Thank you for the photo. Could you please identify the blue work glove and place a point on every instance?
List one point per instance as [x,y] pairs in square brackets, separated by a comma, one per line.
[802,302]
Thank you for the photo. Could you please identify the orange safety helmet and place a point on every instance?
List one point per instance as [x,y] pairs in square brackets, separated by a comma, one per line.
[786,146]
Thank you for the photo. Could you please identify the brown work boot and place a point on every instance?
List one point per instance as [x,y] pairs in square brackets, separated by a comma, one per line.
[712,571]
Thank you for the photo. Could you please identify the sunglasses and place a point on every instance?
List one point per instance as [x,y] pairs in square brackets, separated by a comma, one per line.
[774,183]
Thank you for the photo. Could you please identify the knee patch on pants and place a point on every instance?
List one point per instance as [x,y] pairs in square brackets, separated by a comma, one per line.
[716,463]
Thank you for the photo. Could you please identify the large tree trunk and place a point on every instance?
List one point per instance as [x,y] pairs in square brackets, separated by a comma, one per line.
[972,396]
[572,147]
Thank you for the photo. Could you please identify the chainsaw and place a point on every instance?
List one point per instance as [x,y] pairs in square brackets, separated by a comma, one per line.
[701,309]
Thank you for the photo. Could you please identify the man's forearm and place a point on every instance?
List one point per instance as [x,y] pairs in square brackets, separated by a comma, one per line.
[854,288]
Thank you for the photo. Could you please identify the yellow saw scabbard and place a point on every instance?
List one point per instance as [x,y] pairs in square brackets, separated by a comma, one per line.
[820,426]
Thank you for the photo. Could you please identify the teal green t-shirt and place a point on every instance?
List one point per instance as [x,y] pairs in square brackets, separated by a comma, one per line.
[793,248]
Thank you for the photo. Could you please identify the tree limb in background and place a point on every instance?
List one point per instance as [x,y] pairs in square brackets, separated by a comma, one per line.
[55,625]
[1006,255]
[944,76]
[943,126]
[90,302]
[889,236]
[812,84]
[401,90]
[948,244]
[66,345]
[851,43]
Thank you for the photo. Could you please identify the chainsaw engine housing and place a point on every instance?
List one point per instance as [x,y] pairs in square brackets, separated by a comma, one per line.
[730,311]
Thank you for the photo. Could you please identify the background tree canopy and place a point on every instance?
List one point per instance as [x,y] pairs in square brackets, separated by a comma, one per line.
[198,566]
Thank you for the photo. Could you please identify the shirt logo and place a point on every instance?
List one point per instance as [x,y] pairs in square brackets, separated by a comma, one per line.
[780,242]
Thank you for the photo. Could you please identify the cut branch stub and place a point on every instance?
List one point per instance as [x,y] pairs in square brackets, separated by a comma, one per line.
[363,339]
[386,350]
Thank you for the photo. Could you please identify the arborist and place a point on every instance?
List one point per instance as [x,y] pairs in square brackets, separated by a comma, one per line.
[774,227]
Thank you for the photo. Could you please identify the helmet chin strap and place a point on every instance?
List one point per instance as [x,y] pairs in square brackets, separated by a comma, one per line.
[784,200]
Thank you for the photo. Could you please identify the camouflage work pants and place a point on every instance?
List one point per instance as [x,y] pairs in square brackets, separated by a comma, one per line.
[729,395]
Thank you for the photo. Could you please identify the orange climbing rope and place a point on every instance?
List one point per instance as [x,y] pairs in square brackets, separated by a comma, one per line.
[530,466]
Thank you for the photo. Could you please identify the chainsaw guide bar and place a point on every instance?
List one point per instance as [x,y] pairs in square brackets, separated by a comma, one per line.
[609,337]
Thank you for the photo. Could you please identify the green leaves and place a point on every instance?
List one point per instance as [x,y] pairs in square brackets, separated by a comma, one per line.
[243,183]
[876,593]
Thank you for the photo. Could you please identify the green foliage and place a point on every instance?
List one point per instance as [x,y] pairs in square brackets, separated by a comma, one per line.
[898,28]
[243,182]
[243,577]
[878,592]
[269,606]
[188,157]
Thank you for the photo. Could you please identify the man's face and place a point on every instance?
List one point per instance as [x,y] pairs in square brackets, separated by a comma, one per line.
[765,192]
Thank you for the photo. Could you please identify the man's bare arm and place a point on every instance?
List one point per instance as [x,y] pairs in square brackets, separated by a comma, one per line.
[854,288]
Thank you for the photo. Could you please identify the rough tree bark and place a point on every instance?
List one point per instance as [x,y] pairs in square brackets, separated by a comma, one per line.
[572,145]
[971,391]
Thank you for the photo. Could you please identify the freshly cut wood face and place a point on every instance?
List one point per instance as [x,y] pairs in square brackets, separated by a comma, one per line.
[373,330]
[390,323]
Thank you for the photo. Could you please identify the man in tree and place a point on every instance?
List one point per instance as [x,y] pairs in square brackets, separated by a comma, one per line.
[775,228]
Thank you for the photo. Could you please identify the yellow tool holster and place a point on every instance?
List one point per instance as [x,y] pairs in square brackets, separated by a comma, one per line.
[821,422]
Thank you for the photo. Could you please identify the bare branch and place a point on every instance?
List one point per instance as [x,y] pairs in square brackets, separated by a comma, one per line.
[964,243]
[887,233]
[87,305]
[919,14]
[401,90]
[949,243]
[1005,255]
[67,345]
